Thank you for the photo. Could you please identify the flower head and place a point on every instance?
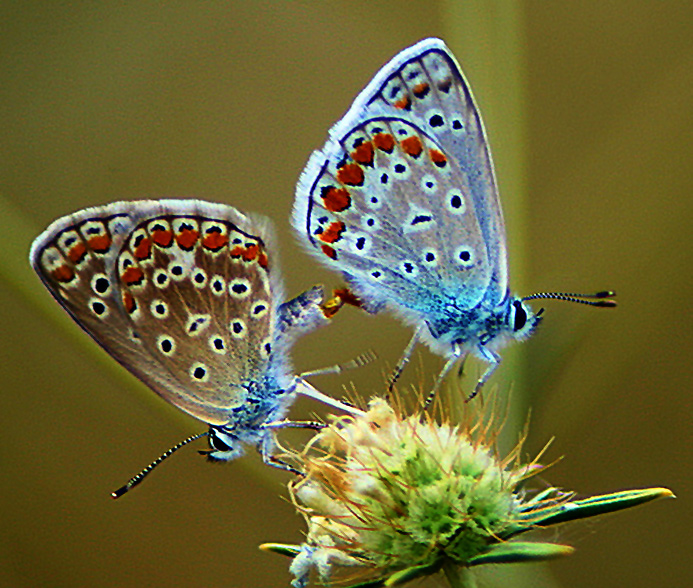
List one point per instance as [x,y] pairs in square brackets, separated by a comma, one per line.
[385,492]
[389,497]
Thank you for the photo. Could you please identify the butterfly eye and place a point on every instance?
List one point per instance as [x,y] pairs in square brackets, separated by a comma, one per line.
[217,443]
[520,316]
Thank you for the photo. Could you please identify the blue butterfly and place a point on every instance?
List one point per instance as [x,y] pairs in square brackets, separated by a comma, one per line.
[403,201]
[186,295]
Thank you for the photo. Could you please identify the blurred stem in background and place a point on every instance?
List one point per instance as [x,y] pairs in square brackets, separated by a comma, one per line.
[488,38]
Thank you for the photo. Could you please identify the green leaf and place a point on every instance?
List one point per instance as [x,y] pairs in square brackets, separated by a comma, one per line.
[599,505]
[408,574]
[379,583]
[520,552]
[281,549]
[401,577]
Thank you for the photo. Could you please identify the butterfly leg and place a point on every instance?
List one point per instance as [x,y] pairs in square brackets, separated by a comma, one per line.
[269,442]
[275,462]
[288,424]
[441,377]
[357,362]
[494,360]
[304,388]
[460,370]
[404,360]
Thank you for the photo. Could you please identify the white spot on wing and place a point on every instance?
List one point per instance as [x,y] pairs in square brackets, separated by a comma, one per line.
[159,309]
[237,328]
[240,288]
[198,278]
[464,256]
[197,323]
[419,219]
[199,372]
[217,344]
[166,344]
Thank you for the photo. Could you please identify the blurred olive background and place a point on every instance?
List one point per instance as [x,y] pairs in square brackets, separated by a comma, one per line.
[589,109]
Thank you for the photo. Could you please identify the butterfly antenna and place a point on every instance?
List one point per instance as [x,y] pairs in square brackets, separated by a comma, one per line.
[601,299]
[139,477]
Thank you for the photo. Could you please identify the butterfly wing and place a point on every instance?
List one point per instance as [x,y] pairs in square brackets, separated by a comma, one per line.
[402,199]
[149,280]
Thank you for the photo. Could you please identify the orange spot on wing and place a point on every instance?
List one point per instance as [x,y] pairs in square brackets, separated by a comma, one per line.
[403,103]
[327,250]
[162,238]
[77,252]
[412,146]
[445,85]
[333,232]
[187,238]
[420,90]
[384,142]
[129,302]
[336,200]
[64,273]
[438,158]
[363,154]
[350,174]
[263,260]
[132,275]
[247,253]
[214,241]
[143,249]
[251,252]
[100,243]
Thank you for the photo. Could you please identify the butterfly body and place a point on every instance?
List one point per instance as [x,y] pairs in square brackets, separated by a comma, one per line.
[185,294]
[402,200]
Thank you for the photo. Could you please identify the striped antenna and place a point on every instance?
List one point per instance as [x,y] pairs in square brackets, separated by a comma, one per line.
[139,477]
[600,299]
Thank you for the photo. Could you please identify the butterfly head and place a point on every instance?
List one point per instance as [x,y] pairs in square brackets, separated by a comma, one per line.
[223,445]
[521,320]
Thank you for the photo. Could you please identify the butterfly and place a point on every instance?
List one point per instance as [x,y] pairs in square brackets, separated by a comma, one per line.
[403,201]
[186,296]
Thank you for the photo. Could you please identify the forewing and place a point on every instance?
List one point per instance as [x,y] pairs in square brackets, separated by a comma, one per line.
[381,213]
[418,101]
[115,269]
